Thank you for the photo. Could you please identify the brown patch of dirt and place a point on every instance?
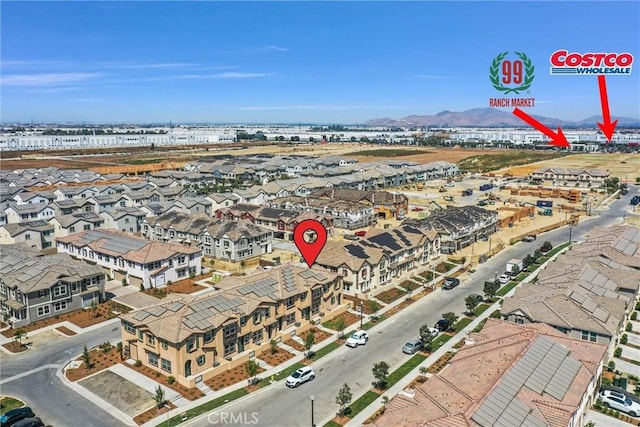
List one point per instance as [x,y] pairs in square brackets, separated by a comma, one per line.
[452,155]
[15,347]
[366,304]
[188,393]
[230,377]
[68,332]
[440,363]
[349,319]
[184,286]
[81,318]
[390,295]
[152,413]
[274,359]
[99,360]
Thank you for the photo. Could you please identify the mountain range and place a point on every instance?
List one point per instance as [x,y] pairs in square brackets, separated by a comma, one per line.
[490,117]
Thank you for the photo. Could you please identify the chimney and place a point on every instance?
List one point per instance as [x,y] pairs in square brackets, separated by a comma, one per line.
[373,198]
[333,192]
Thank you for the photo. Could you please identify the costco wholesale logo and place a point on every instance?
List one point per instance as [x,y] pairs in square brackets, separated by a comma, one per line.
[600,63]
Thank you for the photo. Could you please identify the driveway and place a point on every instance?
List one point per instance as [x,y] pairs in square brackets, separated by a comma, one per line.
[137,300]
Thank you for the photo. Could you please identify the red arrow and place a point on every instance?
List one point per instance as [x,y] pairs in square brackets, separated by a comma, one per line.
[557,139]
[607,127]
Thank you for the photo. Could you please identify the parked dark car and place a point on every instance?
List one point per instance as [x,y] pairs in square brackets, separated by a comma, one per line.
[442,325]
[450,283]
[15,415]
[29,422]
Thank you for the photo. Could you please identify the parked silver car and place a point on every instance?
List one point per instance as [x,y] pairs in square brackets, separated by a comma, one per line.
[413,346]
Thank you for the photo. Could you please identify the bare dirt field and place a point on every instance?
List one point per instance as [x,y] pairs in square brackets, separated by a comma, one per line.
[71,160]
[622,165]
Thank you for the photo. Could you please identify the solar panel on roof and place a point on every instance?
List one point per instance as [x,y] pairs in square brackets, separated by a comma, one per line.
[158,311]
[307,274]
[356,251]
[386,240]
[601,314]
[579,298]
[589,305]
[141,316]
[402,237]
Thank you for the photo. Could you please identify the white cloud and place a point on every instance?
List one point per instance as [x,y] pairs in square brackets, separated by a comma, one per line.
[271,48]
[225,75]
[47,79]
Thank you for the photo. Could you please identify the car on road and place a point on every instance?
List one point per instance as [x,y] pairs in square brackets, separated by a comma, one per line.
[619,402]
[357,338]
[351,237]
[450,283]
[442,325]
[505,278]
[11,417]
[529,238]
[301,376]
[434,332]
[412,346]
[29,422]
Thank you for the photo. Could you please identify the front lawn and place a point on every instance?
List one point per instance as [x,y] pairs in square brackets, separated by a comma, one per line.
[404,369]
[390,295]
[461,324]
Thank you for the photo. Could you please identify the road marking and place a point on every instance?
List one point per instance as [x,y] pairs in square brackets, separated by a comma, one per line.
[26,374]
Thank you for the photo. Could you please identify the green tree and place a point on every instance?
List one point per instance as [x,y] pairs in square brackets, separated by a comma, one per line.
[94,305]
[86,357]
[252,367]
[425,335]
[273,344]
[340,325]
[380,373]
[343,398]
[490,288]
[309,340]
[19,334]
[471,302]
[373,307]
[121,350]
[451,318]
[159,397]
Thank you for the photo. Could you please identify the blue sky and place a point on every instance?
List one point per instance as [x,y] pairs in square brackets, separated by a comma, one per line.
[288,62]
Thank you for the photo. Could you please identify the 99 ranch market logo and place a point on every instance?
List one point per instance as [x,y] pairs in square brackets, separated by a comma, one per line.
[511,76]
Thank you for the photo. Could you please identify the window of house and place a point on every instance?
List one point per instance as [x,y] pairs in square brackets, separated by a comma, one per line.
[165,365]
[289,302]
[243,321]
[74,287]
[257,336]
[257,317]
[589,336]
[44,310]
[229,348]
[165,344]
[59,305]
[229,330]
[191,344]
[59,290]
[87,227]
[72,229]
[41,293]
[153,359]
[128,326]
[208,336]
[333,300]
[151,340]
[200,360]
[519,320]
[27,236]
[140,336]
[290,318]
[84,252]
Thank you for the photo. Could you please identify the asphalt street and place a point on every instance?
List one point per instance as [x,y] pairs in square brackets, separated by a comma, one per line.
[60,406]
[278,405]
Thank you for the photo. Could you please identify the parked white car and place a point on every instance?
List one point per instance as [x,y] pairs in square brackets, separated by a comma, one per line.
[505,278]
[358,338]
[620,402]
[301,376]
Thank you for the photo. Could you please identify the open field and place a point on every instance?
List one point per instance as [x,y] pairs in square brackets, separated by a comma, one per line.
[85,159]
[622,165]
[488,162]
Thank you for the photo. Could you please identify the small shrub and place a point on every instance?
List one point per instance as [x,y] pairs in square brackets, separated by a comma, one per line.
[634,315]
[623,339]
[138,363]
[141,287]
[611,366]
[629,327]
[617,352]
[106,347]
[606,381]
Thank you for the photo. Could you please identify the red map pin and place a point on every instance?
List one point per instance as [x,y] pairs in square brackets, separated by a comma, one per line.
[310,237]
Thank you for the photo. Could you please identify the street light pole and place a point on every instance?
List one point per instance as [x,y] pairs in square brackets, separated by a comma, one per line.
[313,424]
[361,313]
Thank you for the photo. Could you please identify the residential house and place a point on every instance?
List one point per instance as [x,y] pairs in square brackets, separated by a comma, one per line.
[137,261]
[386,205]
[29,212]
[593,178]
[37,234]
[71,206]
[506,375]
[344,214]
[28,197]
[459,226]
[127,219]
[584,295]
[34,286]
[63,225]
[75,192]
[105,202]
[193,338]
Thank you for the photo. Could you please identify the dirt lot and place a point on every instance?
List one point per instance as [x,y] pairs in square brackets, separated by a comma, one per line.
[69,161]
[121,393]
[622,165]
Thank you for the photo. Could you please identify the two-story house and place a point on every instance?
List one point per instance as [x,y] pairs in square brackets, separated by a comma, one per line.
[37,234]
[137,261]
[34,286]
[194,338]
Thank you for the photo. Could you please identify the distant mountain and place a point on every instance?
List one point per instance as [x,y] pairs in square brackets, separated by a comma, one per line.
[487,117]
